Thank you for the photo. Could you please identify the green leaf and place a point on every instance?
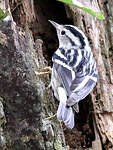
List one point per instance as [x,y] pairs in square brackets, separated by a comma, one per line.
[3,15]
[88,10]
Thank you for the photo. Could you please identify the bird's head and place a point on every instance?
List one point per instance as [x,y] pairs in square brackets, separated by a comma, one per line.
[69,36]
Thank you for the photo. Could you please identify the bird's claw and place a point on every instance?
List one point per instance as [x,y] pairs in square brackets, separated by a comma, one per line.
[47,70]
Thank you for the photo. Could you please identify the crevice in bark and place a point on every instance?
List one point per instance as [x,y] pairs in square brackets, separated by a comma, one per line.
[49,10]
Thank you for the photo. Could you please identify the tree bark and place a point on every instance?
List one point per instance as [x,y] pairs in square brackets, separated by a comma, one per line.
[25,99]
[100,34]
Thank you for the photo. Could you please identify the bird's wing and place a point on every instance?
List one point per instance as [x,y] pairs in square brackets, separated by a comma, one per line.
[65,77]
[81,91]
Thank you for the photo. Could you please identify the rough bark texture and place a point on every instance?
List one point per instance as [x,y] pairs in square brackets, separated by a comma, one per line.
[25,98]
[100,34]
[27,43]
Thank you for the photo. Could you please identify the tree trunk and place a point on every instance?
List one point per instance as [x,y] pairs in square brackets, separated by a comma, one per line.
[100,34]
[27,42]
[25,99]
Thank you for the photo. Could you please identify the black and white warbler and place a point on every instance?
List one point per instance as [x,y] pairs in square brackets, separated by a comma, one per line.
[74,72]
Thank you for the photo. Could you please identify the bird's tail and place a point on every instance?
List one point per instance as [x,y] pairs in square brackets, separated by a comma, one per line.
[65,113]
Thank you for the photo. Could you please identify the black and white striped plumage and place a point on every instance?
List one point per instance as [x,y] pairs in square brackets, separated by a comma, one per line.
[74,71]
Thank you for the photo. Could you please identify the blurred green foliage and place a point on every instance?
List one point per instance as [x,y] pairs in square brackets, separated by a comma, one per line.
[88,10]
[3,14]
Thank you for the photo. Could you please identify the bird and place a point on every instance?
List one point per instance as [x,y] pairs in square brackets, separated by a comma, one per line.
[74,72]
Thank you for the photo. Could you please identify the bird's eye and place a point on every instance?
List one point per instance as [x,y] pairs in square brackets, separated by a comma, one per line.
[62,32]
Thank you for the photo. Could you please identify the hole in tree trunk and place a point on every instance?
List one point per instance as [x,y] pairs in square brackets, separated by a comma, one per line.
[49,10]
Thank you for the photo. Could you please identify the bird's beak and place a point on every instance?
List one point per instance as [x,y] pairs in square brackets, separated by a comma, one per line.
[56,25]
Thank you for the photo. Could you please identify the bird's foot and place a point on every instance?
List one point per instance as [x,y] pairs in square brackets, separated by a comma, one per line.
[46,70]
[51,117]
